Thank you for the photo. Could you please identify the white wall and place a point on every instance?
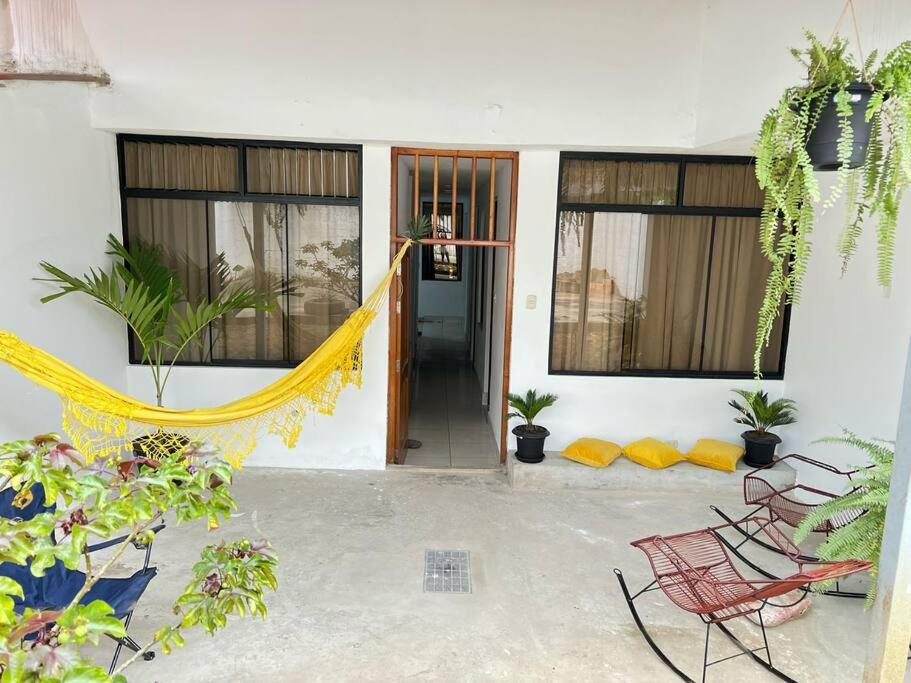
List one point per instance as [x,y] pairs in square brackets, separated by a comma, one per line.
[361,444]
[848,344]
[58,202]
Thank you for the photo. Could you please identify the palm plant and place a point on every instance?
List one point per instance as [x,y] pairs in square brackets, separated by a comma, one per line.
[860,539]
[151,299]
[757,413]
[419,227]
[527,407]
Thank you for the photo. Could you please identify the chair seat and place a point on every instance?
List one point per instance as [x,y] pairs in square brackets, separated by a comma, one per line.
[59,585]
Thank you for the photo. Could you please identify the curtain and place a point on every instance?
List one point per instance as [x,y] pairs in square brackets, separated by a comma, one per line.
[45,36]
[324,272]
[176,166]
[667,322]
[604,181]
[178,227]
[248,247]
[721,185]
[308,172]
[737,284]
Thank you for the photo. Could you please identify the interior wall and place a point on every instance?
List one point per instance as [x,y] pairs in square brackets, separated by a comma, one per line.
[355,436]
[58,202]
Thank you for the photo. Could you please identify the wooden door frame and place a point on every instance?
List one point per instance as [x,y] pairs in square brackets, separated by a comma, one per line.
[395,243]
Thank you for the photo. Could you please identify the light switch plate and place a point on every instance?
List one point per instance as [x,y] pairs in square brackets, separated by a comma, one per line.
[531,302]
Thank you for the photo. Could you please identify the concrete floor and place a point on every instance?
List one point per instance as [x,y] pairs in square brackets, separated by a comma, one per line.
[545,604]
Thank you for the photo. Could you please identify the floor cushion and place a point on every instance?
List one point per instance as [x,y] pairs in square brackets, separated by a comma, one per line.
[592,452]
[719,455]
[652,453]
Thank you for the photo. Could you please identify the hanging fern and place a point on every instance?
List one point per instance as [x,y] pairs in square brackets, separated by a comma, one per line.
[784,169]
[860,539]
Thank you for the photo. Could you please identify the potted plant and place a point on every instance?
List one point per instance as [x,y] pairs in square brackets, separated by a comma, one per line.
[529,436]
[758,413]
[854,120]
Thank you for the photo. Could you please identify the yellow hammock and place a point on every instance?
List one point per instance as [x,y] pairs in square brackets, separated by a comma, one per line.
[101,421]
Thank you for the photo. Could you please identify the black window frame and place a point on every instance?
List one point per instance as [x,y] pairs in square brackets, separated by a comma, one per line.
[241,195]
[678,209]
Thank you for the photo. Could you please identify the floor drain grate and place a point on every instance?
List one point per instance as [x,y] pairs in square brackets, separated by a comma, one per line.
[447,571]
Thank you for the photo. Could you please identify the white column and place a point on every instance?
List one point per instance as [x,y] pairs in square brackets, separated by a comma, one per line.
[890,628]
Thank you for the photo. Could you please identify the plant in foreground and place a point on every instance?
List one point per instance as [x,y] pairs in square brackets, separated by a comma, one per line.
[104,499]
[761,416]
[785,170]
[529,436]
[861,538]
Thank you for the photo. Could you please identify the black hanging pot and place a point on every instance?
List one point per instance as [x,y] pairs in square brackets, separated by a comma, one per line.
[530,443]
[760,448]
[822,144]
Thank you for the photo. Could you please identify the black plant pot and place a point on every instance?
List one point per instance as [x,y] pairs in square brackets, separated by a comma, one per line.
[760,448]
[822,145]
[530,443]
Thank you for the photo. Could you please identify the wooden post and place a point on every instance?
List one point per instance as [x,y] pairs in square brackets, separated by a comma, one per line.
[474,192]
[890,625]
[436,192]
[491,220]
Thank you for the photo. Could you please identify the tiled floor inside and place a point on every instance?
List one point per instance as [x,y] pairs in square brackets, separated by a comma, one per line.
[447,417]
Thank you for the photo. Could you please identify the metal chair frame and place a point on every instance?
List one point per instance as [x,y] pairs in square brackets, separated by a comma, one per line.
[695,571]
[784,508]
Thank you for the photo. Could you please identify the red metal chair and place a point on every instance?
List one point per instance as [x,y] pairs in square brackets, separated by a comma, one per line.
[696,573]
[781,505]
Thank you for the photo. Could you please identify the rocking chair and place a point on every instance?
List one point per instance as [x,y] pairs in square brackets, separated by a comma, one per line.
[781,506]
[696,573]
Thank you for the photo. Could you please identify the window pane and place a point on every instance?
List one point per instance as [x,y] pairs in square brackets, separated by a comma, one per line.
[178,228]
[177,166]
[630,292]
[325,275]
[737,285]
[248,248]
[667,326]
[605,181]
[307,172]
[721,185]
[443,261]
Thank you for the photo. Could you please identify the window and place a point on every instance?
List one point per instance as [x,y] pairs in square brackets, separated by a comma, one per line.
[283,216]
[443,261]
[658,269]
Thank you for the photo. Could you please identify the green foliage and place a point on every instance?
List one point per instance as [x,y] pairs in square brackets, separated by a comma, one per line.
[785,172]
[150,298]
[419,227]
[527,407]
[865,505]
[105,499]
[757,413]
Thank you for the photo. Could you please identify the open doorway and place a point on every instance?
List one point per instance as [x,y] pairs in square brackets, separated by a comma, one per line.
[450,310]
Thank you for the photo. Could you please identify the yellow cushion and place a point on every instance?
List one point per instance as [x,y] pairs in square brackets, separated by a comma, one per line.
[719,455]
[652,453]
[592,452]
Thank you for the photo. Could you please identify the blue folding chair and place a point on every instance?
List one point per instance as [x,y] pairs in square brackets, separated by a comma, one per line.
[59,585]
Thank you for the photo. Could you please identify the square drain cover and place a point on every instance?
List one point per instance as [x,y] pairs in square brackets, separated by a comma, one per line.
[447,571]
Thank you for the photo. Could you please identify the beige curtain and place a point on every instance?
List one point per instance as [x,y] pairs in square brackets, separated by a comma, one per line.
[324,275]
[721,185]
[173,166]
[309,172]
[178,226]
[619,182]
[667,324]
[737,283]
[248,238]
